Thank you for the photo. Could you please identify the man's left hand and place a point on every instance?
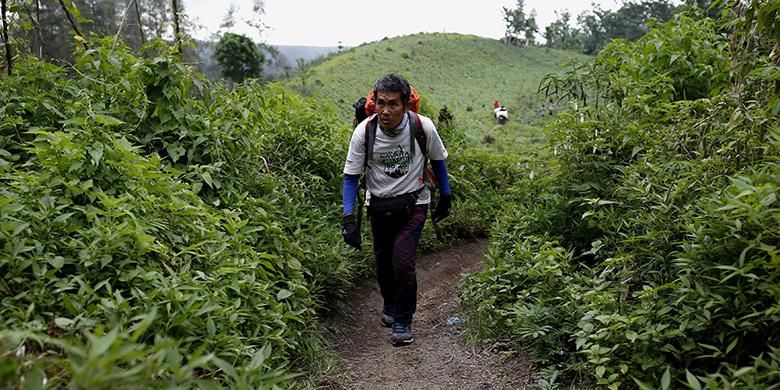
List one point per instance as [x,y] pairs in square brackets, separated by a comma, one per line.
[442,208]
[350,231]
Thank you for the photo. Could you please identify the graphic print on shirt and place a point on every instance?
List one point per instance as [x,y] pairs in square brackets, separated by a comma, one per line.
[396,163]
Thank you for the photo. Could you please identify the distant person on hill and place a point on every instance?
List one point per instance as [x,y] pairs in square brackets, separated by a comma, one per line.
[501,114]
[391,148]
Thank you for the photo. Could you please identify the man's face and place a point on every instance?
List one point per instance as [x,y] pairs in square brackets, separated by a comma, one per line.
[390,109]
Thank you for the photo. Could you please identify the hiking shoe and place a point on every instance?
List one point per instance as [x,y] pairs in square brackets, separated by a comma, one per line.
[386,320]
[402,334]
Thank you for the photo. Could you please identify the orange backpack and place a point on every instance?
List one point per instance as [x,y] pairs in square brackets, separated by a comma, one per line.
[414,102]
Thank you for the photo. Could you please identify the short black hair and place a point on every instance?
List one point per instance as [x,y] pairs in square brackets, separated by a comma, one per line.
[392,82]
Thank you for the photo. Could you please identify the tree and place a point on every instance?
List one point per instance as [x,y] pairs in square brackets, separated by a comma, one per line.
[710,8]
[48,33]
[47,25]
[138,19]
[176,26]
[520,28]
[515,22]
[256,17]
[598,27]
[303,71]
[630,21]
[72,19]
[531,28]
[593,34]
[104,15]
[229,20]
[37,44]
[6,42]
[154,17]
[560,34]
[239,57]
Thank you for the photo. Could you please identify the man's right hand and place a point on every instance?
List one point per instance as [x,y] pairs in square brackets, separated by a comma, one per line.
[350,231]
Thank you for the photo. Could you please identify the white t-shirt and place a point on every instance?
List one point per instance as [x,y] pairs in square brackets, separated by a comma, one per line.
[393,170]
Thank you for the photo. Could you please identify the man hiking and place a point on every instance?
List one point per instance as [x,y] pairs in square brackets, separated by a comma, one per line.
[500,113]
[392,146]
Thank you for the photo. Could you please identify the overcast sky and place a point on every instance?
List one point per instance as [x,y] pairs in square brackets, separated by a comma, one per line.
[326,22]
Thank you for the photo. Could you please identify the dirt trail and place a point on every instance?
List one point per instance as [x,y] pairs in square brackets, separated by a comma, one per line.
[438,358]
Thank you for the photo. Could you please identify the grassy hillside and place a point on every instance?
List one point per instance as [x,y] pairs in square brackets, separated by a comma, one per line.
[464,72]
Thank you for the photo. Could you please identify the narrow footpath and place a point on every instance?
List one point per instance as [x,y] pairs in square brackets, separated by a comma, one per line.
[439,358]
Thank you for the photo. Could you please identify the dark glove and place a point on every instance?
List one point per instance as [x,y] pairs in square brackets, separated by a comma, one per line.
[442,208]
[350,231]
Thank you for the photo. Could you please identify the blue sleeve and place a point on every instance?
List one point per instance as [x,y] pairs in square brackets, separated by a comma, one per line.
[350,193]
[440,171]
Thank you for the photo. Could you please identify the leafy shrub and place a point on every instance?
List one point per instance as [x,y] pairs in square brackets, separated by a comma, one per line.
[649,257]
[160,230]
[480,180]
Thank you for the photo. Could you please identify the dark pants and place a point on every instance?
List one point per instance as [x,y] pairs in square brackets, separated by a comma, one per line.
[395,248]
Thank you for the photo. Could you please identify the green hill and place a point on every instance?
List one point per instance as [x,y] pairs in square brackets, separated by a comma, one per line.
[464,72]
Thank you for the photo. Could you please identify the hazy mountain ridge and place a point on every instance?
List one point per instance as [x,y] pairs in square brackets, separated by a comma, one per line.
[290,54]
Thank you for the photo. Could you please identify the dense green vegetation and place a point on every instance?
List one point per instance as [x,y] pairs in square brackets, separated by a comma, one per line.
[160,230]
[593,29]
[648,256]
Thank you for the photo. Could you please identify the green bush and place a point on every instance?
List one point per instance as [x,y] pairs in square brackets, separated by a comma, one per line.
[162,231]
[649,257]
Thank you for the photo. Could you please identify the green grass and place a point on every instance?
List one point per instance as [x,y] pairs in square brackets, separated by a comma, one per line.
[515,138]
[464,72]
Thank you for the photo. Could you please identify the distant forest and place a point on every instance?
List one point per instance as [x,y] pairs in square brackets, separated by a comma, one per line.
[50,29]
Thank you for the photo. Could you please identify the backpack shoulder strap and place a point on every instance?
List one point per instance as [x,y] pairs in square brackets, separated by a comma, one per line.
[419,137]
[370,137]
[417,134]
